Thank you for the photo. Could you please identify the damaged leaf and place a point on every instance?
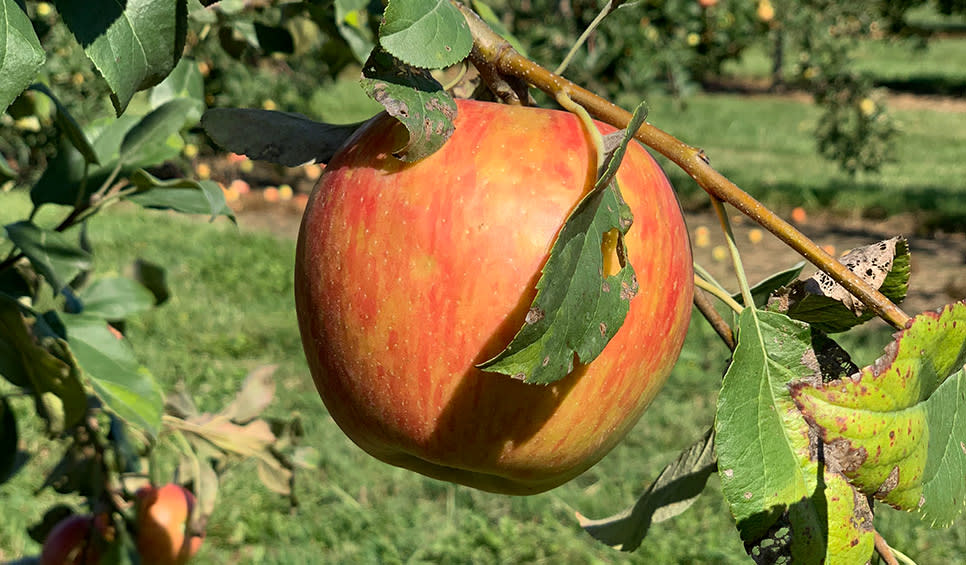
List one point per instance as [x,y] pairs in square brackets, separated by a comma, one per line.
[578,307]
[899,425]
[826,304]
[789,506]
[413,97]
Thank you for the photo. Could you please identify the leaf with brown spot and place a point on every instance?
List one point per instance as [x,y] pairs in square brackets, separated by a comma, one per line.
[787,501]
[575,311]
[826,304]
[903,419]
[413,97]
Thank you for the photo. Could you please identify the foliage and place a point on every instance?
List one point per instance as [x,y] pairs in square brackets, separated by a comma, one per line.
[801,480]
[62,343]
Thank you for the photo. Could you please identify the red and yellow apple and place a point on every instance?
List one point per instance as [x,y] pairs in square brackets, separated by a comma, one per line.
[408,275]
[79,539]
[163,518]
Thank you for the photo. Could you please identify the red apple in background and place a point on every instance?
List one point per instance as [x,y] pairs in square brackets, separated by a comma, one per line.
[163,516]
[79,539]
[409,274]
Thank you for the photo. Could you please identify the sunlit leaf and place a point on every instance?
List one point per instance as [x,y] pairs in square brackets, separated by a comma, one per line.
[786,503]
[133,44]
[899,426]
[428,34]
[109,365]
[578,307]
[116,298]
[21,55]
[414,98]
[184,195]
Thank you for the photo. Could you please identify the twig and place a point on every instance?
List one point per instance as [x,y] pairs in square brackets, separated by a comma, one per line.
[884,550]
[497,53]
[714,318]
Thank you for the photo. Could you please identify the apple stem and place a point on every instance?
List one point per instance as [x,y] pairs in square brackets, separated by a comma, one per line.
[496,54]
[595,137]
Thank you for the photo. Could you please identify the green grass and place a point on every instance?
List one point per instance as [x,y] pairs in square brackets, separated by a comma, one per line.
[232,309]
[765,145]
[904,64]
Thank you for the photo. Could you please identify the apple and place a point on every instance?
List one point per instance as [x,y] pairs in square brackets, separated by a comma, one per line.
[163,517]
[79,539]
[408,275]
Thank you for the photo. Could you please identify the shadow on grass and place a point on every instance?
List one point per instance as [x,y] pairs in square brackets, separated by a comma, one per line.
[935,85]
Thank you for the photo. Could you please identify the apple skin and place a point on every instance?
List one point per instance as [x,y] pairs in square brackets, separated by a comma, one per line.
[163,515]
[409,274]
[76,540]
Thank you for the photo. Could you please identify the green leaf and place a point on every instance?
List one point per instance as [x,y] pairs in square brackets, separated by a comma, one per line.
[900,424]
[672,492]
[352,21]
[185,82]
[51,253]
[283,138]
[21,55]
[128,391]
[69,126]
[10,454]
[764,289]
[429,34]
[414,98]
[786,503]
[154,129]
[183,195]
[37,360]
[116,298]
[578,308]
[133,44]
[63,178]
[826,305]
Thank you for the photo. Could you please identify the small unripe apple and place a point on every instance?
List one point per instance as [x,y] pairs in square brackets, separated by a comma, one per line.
[78,539]
[408,275]
[163,517]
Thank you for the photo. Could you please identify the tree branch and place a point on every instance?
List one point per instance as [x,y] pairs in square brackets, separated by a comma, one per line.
[499,54]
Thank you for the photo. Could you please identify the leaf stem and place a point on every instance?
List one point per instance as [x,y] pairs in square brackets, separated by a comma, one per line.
[496,53]
[733,250]
[718,293]
[604,12]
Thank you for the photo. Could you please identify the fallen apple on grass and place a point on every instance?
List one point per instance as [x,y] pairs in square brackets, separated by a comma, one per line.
[408,275]
[163,518]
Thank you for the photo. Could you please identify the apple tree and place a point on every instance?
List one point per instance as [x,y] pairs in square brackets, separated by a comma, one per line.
[806,444]
[145,462]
